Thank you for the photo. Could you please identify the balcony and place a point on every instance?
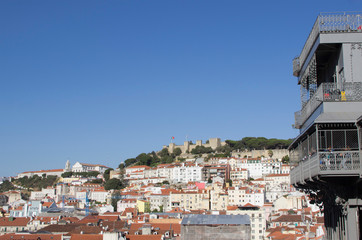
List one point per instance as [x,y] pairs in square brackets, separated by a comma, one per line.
[329,23]
[329,92]
[341,163]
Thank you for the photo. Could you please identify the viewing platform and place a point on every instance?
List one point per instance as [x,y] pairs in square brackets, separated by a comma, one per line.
[327,23]
[339,163]
[329,92]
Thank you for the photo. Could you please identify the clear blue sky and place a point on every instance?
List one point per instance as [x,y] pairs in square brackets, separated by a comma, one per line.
[102,81]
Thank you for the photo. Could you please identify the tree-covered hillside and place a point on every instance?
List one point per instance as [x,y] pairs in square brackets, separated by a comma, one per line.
[258,143]
[247,143]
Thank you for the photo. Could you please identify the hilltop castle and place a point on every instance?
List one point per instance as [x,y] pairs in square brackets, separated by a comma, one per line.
[188,146]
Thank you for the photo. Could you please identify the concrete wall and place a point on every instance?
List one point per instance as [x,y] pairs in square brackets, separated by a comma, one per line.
[204,232]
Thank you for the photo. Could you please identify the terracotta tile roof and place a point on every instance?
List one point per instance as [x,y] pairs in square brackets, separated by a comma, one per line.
[131,210]
[175,210]
[86,236]
[249,205]
[86,230]
[27,236]
[111,214]
[231,208]
[139,166]
[47,204]
[108,218]
[320,219]
[113,225]
[59,228]
[278,175]
[71,219]
[290,218]
[281,236]
[143,237]
[18,221]
[89,219]
[45,171]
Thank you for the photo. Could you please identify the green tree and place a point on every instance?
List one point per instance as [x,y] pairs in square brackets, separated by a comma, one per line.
[270,153]
[144,159]
[129,162]
[164,153]
[67,174]
[116,196]
[177,151]
[97,181]
[285,159]
[209,180]
[230,183]
[92,174]
[6,186]
[147,208]
[113,183]
[106,174]
[201,150]
[121,166]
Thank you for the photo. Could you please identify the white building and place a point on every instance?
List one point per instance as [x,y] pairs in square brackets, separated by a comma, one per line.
[126,203]
[86,167]
[186,173]
[257,218]
[132,169]
[258,167]
[244,195]
[45,192]
[165,171]
[239,174]
[52,172]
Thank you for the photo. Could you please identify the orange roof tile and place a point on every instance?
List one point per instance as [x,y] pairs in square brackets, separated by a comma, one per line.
[86,236]
[27,236]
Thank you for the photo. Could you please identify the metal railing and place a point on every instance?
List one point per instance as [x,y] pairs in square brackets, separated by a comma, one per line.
[326,163]
[329,92]
[329,23]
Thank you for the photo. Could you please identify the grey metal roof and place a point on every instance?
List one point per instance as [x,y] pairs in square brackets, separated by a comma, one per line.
[199,219]
[338,117]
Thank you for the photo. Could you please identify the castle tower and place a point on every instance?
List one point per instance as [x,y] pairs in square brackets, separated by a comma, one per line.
[67,167]
[215,143]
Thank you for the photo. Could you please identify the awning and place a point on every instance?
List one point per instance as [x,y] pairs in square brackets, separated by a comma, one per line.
[338,117]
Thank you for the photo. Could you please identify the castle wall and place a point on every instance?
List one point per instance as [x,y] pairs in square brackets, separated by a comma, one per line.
[213,143]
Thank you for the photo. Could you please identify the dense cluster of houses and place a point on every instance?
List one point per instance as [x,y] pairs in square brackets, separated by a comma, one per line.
[158,200]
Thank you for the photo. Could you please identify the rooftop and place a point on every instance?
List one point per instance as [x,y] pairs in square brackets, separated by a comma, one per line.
[198,219]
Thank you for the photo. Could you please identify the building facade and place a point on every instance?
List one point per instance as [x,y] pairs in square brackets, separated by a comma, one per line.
[326,154]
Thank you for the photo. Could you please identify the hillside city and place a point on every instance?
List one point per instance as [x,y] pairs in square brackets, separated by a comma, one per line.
[189,191]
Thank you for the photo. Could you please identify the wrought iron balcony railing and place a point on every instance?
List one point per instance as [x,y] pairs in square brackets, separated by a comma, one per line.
[339,163]
[329,92]
[329,23]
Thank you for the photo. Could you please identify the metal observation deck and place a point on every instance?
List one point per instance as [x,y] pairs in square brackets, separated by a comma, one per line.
[340,163]
[329,92]
[328,23]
